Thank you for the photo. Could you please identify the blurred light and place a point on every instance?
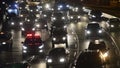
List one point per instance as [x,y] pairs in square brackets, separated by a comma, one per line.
[112,26]
[12,23]
[33,29]
[64,38]
[3,43]
[21,23]
[37,25]
[24,47]
[49,60]
[40,47]
[47,6]
[88,32]
[40,51]
[3,2]
[100,31]
[62,59]
[54,39]
[22,29]
[24,51]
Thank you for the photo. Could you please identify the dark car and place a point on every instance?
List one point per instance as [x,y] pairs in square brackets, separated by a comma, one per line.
[15,23]
[95,15]
[5,41]
[32,45]
[98,45]
[114,24]
[17,65]
[89,59]
[57,16]
[58,56]
[41,24]
[58,24]
[59,36]
[75,18]
[28,27]
[101,46]
[93,30]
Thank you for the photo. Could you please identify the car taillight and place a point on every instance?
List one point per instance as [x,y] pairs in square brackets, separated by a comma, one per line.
[29,35]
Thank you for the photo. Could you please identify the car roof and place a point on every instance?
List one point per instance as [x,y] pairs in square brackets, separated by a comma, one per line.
[57,51]
[94,46]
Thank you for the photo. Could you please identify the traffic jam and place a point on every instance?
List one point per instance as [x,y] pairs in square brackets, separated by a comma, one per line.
[57,34]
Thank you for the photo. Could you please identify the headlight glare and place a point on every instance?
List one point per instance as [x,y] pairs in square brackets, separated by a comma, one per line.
[24,47]
[49,60]
[62,59]
[100,31]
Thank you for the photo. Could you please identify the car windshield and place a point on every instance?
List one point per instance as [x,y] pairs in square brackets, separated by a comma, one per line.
[57,51]
[90,26]
[32,40]
[59,32]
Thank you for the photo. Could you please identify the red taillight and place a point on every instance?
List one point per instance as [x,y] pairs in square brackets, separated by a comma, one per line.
[37,36]
[29,35]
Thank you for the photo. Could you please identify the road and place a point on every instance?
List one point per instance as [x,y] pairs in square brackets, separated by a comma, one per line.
[76,40]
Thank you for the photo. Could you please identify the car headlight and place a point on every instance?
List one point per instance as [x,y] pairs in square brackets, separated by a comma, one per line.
[37,25]
[33,29]
[24,51]
[88,32]
[105,54]
[100,31]
[93,16]
[22,29]
[62,59]
[64,38]
[65,26]
[78,17]
[24,47]
[12,23]
[54,39]
[20,23]
[40,47]
[3,43]
[112,26]
[40,51]
[49,60]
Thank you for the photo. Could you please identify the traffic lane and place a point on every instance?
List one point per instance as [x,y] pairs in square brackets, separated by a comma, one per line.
[16,54]
[85,42]
[116,37]
[73,48]
[114,53]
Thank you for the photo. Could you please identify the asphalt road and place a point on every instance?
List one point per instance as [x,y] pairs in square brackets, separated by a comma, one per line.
[76,40]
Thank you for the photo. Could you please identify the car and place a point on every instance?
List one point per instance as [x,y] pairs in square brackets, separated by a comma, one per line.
[6,41]
[57,56]
[32,45]
[58,24]
[28,27]
[15,23]
[41,24]
[93,30]
[59,36]
[95,15]
[113,24]
[101,46]
[98,45]
[89,59]
[57,16]
[17,65]
[75,18]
